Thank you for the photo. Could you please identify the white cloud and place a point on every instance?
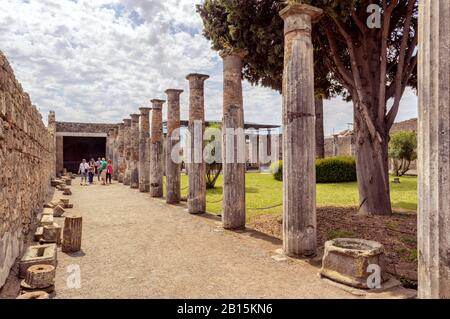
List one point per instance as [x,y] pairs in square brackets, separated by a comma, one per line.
[99,61]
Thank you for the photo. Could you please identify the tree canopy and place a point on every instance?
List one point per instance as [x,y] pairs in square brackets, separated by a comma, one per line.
[365,50]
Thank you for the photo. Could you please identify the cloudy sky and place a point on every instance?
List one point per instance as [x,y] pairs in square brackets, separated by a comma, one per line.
[99,60]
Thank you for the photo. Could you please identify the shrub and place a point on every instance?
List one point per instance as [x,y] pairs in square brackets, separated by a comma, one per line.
[336,170]
[277,170]
[328,170]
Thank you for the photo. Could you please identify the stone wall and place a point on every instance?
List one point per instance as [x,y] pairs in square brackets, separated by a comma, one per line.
[26,164]
[342,144]
[84,127]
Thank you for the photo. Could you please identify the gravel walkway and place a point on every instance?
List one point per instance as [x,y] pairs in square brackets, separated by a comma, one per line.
[138,247]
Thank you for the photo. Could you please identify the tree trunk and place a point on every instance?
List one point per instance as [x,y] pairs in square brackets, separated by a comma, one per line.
[320,138]
[372,170]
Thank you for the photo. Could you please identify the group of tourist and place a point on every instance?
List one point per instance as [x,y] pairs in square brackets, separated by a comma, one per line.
[101,168]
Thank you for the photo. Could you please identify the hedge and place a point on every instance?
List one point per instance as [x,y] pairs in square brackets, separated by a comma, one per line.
[328,170]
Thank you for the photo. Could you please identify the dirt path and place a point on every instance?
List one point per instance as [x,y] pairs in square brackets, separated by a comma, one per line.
[137,247]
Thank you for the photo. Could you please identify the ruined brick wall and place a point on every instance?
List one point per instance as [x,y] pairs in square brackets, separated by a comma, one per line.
[84,127]
[26,161]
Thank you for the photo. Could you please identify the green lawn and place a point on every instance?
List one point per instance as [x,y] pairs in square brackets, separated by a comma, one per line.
[264,191]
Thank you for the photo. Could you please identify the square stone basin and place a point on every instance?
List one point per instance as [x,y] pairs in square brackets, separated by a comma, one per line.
[37,255]
[347,261]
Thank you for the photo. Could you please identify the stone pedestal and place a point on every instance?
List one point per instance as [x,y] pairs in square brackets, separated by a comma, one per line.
[127,152]
[72,234]
[134,160]
[144,150]
[434,149]
[156,151]
[195,162]
[233,151]
[173,168]
[299,149]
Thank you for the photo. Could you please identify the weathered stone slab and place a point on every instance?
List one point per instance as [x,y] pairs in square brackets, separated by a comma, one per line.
[51,234]
[47,211]
[35,255]
[347,261]
[47,220]
[34,295]
[67,192]
[58,211]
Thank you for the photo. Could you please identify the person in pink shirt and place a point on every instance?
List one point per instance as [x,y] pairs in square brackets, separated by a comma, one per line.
[109,172]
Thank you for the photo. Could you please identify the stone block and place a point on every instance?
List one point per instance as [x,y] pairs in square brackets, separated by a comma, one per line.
[67,192]
[34,295]
[347,261]
[47,220]
[51,235]
[40,276]
[47,211]
[38,234]
[58,211]
[36,255]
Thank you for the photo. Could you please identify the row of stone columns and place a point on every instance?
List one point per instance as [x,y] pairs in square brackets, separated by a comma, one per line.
[299,146]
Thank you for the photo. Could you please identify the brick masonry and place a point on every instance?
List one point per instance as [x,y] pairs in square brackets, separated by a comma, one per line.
[26,166]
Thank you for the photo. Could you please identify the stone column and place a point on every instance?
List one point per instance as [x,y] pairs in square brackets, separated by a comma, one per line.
[134,142]
[233,216]
[320,138]
[119,149]
[144,150]
[127,152]
[156,151]
[434,149]
[299,144]
[173,169]
[196,165]
[115,153]
[52,130]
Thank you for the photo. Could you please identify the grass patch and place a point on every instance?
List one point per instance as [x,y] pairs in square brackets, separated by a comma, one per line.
[338,233]
[263,191]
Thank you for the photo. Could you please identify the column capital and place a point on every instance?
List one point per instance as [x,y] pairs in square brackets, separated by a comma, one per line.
[51,117]
[157,104]
[302,9]
[145,110]
[174,92]
[135,117]
[241,53]
[127,122]
[197,76]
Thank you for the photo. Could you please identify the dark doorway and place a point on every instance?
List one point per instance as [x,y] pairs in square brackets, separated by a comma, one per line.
[79,148]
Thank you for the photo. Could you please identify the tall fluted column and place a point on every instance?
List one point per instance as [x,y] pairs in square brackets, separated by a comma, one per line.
[196,164]
[233,216]
[127,152]
[134,160]
[156,151]
[320,138]
[119,156]
[144,150]
[434,149]
[173,169]
[299,144]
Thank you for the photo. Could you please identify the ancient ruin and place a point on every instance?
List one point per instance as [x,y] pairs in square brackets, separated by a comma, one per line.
[299,149]
[41,167]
